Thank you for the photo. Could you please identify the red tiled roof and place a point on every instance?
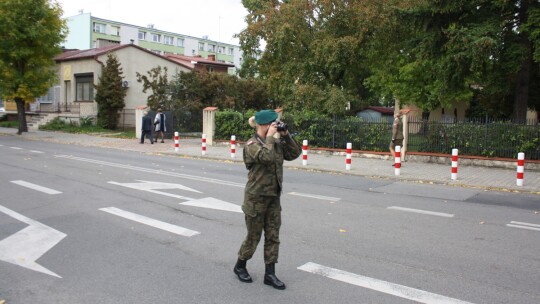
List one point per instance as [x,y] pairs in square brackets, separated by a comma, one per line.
[188,59]
[90,53]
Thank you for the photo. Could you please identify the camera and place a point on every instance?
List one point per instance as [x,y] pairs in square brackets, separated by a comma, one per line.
[281,126]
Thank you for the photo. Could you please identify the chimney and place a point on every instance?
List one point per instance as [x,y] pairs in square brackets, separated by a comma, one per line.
[150,26]
[212,57]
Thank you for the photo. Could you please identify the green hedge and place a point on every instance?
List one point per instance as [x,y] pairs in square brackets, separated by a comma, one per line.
[495,139]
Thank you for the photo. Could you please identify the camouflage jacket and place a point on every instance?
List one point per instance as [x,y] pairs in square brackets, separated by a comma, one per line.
[264,160]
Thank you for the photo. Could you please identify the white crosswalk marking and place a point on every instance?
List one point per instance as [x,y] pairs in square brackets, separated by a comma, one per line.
[522,225]
[150,222]
[420,211]
[320,197]
[36,187]
[397,290]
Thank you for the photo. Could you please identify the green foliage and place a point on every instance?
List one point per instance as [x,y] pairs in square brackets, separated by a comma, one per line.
[230,122]
[110,93]
[498,139]
[9,124]
[157,81]
[32,32]
[86,127]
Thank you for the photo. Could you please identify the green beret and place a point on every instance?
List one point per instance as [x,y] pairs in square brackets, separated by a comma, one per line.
[265,117]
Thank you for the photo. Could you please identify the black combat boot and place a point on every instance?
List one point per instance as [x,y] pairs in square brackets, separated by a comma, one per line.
[270,277]
[241,271]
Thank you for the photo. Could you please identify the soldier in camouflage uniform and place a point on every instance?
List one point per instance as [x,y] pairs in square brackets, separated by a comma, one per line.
[263,156]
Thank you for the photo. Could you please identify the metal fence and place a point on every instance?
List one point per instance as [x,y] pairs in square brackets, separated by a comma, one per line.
[475,137]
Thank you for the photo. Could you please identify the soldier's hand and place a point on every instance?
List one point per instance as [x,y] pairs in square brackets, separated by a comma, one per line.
[272,130]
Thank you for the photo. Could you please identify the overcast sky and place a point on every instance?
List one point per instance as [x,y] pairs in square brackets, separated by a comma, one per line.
[219,19]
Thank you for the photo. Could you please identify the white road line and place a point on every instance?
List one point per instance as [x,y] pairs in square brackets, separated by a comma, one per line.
[397,290]
[129,167]
[16,148]
[320,197]
[523,225]
[35,151]
[421,211]
[213,203]
[26,246]
[151,222]
[36,187]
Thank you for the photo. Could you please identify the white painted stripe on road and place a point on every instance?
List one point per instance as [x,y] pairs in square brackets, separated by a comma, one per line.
[161,172]
[397,290]
[421,211]
[35,151]
[522,225]
[16,148]
[26,246]
[320,197]
[151,222]
[525,224]
[36,187]
[213,203]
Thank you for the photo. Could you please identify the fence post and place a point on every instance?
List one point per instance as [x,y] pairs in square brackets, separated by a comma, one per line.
[453,176]
[304,152]
[233,146]
[348,157]
[203,144]
[520,168]
[397,159]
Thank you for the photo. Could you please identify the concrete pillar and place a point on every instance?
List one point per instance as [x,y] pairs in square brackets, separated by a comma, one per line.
[139,114]
[405,135]
[209,124]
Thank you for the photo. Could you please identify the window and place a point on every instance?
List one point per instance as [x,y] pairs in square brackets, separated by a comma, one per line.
[180,42]
[84,87]
[48,98]
[201,46]
[231,51]
[156,38]
[115,30]
[209,69]
[142,35]
[168,40]
[211,48]
[99,28]
[220,49]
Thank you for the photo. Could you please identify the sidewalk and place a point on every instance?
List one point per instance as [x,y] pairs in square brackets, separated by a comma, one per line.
[413,171]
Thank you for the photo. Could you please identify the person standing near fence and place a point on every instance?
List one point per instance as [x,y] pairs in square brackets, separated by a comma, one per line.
[160,128]
[397,134]
[146,129]
[264,154]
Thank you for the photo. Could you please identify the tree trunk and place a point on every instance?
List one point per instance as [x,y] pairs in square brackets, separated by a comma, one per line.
[523,80]
[522,88]
[21,114]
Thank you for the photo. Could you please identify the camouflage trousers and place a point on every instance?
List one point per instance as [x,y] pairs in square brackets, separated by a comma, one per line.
[262,213]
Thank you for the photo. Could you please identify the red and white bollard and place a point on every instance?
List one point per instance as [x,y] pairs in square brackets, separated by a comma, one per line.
[348,158]
[233,146]
[176,142]
[397,165]
[454,164]
[520,168]
[304,152]
[203,144]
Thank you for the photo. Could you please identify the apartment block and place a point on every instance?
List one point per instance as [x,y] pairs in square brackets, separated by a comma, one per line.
[87,32]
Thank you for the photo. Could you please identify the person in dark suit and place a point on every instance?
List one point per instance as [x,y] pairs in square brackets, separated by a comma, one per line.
[146,128]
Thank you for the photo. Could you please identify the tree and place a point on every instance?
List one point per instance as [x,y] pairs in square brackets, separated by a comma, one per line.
[315,54]
[32,32]
[438,52]
[157,81]
[110,93]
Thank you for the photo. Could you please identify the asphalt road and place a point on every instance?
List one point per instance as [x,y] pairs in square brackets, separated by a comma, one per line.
[81,225]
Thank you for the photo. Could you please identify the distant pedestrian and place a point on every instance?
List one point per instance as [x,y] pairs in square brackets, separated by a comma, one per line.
[146,128]
[264,154]
[159,122]
[397,134]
